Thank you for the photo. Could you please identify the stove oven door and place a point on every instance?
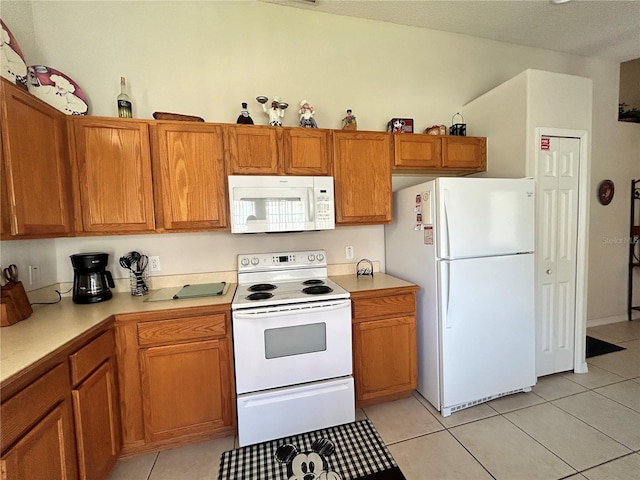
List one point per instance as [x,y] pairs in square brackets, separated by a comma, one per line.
[293,344]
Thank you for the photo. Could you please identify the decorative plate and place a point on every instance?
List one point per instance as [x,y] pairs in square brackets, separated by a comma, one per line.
[57,89]
[605,192]
[13,65]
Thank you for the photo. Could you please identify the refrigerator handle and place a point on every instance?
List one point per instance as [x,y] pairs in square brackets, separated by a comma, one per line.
[446,292]
[445,228]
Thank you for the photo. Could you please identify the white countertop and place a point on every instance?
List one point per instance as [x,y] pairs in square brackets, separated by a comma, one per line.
[378,281]
[52,326]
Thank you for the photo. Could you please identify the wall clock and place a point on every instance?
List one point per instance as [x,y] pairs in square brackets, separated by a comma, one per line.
[605,192]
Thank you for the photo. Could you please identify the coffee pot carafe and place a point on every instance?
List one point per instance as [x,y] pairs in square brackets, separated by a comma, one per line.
[91,280]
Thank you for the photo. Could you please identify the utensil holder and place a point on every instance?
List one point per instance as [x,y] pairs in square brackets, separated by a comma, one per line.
[139,282]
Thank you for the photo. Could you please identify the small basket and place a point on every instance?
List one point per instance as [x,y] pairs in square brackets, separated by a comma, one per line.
[459,129]
[364,268]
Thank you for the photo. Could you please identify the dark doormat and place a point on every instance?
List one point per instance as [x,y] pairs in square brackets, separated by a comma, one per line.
[597,347]
[353,451]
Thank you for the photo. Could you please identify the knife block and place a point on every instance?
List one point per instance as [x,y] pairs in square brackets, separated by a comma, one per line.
[14,305]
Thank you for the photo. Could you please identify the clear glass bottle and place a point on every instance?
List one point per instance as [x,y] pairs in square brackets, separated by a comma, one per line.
[124,102]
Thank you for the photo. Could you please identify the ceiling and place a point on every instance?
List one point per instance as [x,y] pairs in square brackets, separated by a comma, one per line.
[608,29]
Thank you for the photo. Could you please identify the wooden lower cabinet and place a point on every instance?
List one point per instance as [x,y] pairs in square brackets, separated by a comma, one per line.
[61,420]
[97,419]
[384,344]
[182,389]
[46,452]
[176,377]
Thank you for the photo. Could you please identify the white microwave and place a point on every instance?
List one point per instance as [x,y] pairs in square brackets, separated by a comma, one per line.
[260,203]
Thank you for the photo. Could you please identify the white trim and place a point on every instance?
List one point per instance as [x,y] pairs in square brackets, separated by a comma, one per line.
[582,265]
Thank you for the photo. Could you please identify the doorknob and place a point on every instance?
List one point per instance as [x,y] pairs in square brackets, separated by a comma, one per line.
[549,272]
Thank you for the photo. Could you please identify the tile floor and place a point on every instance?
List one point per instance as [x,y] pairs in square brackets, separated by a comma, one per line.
[575,426]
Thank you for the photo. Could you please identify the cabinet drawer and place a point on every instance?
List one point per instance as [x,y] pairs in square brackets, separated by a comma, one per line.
[384,306]
[33,402]
[89,357]
[181,329]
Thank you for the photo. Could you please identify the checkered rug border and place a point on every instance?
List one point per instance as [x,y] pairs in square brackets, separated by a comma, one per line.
[359,451]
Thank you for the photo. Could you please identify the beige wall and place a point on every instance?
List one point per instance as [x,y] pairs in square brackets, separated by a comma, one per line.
[204,58]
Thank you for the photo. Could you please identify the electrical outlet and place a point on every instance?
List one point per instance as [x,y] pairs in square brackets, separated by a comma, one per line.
[348,252]
[34,274]
[154,263]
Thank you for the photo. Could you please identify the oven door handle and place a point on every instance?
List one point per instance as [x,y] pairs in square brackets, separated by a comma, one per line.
[294,309]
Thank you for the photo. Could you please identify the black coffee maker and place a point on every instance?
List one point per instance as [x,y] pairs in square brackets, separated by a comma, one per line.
[91,280]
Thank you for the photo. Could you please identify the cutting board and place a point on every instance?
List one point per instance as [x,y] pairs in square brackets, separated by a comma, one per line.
[200,290]
[192,291]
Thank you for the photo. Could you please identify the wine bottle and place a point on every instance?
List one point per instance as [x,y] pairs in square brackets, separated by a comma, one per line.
[124,102]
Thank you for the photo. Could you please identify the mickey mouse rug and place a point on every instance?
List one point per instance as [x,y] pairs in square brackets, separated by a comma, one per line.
[353,451]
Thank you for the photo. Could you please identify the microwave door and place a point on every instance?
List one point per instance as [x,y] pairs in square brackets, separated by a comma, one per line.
[271,209]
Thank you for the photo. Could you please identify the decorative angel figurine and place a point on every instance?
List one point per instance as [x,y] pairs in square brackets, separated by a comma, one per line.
[306,115]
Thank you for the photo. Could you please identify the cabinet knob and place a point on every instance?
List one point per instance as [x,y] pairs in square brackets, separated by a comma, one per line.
[549,272]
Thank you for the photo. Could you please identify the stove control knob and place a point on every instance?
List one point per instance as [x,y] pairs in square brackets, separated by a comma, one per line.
[311,257]
[320,257]
[244,262]
[255,261]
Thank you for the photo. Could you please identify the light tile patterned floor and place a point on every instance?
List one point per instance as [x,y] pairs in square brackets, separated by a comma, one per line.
[574,426]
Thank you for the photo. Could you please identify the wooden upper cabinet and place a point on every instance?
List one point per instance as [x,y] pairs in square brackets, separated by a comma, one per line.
[306,151]
[267,150]
[362,176]
[113,164]
[467,153]
[416,152]
[36,191]
[442,154]
[190,184]
[252,149]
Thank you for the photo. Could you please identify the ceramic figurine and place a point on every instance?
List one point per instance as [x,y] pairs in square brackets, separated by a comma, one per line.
[244,115]
[306,115]
[349,122]
[275,112]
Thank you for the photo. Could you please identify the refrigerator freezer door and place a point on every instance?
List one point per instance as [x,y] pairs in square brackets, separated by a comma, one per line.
[484,216]
[487,328]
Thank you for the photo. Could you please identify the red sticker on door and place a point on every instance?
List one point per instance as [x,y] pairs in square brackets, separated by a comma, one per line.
[545,143]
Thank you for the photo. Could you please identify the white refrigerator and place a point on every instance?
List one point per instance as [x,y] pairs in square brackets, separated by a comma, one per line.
[468,243]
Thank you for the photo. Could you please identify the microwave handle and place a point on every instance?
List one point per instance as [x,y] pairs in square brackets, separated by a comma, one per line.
[312,204]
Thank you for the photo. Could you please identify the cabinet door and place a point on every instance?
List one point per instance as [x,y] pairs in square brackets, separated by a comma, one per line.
[114,175]
[464,153]
[189,178]
[416,152]
[252,149]
[306,151]
[385,357]
[46,452]
[186,389]
[97,418]
[362,175]
[35,165]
